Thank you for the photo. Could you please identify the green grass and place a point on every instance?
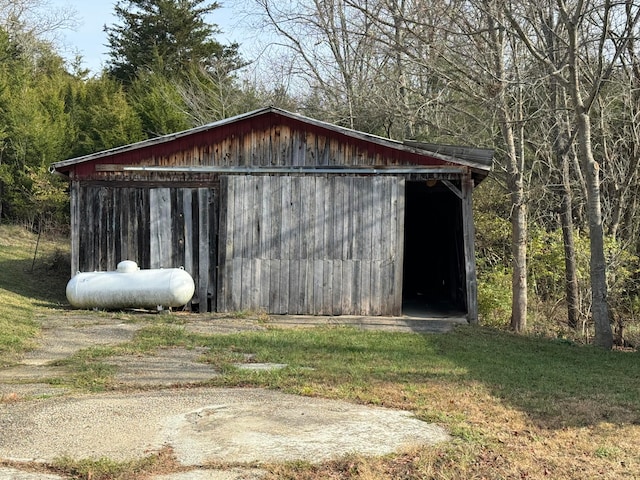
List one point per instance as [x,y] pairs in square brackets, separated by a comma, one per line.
[540,377]
[107,469]
[27,286]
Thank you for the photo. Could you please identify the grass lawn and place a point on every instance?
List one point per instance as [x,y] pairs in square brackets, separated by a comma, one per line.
[519,407]
[31,282]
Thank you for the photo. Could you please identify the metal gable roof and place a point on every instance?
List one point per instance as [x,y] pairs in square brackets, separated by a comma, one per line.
[477,159]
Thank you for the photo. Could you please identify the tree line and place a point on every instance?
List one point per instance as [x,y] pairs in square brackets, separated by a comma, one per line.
[552,85]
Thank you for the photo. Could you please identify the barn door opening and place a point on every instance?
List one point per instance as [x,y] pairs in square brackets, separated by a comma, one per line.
[434,269]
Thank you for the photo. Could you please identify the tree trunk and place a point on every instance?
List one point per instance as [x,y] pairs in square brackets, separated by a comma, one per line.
[597,269]
[519,250]
[570,268]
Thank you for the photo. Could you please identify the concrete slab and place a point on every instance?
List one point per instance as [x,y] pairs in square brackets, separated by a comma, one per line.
[163,367]
[13,474]
[204,425]
[232,474]
[389,324]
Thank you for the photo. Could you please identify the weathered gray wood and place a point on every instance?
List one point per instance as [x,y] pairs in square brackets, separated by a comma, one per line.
[187,212]
[160,225]
[177,229]
[398,206]
[239,242]
[214,215]
[256,280]
[123,213]
[293,241]
[469,249]
[236,285]
[113,248]
[223,246]
[319,218]
[365,287]
[303,264]
[318,293]
[338,287]
[346,289]
[74,212]
[295,214]
[307,306]
[355,306]
[204,251]
[264,285]
[327,286]
[227,187]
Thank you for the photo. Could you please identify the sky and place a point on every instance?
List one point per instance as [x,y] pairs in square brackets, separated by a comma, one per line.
[89,39]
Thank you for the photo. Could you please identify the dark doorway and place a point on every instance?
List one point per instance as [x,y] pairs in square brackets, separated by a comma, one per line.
[434,279]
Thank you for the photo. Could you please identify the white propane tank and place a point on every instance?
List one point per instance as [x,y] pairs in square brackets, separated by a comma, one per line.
[130,287]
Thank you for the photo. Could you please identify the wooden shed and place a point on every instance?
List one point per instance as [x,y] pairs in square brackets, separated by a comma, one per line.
[273,211]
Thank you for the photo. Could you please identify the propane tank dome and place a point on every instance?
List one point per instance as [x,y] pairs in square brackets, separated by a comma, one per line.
[127,266]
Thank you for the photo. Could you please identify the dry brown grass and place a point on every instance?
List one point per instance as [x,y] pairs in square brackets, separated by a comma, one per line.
[493,441]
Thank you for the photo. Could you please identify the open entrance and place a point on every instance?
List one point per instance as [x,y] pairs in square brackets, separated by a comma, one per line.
[434,274]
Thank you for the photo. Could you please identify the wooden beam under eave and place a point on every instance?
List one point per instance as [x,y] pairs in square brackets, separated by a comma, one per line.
[469,249]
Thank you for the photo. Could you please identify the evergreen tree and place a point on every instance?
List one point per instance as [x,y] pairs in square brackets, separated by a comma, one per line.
[167,37]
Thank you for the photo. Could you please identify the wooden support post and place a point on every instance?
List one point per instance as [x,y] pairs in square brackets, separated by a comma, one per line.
[469,249]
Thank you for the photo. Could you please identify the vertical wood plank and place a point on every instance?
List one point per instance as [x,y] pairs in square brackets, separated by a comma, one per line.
[236,284]
[318,285]
[265,280]
[327,287]
[377,252]
[365,287]
[74,202]
[356,288]
[160,227]
[113,242]
[83,227]
[135,228]
[213,198]
[295,214]
[256,296]
[144,227]
[176,217]
[469,249]
[398,194]
[276,236]
[319,247]
[187,232]
[203,249]
[346,288]
[287,240]
[101,240]
[239,240]
[224,273]
[123,212]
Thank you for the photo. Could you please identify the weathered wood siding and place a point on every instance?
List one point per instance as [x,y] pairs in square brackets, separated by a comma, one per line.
[161,227]
[256,144]
[323,245]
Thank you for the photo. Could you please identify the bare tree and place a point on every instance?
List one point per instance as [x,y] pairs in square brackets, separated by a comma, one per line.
[30,20]
[593,43]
